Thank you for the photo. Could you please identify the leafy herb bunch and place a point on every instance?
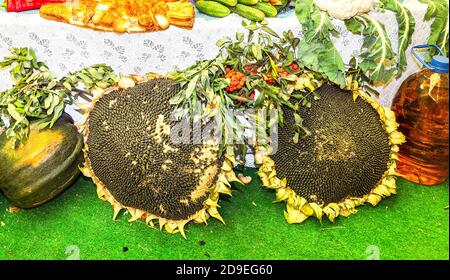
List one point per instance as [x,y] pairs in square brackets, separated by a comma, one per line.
[37,94]
[259,70]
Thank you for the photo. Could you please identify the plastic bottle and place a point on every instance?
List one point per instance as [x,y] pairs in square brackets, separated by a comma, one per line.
[421,107]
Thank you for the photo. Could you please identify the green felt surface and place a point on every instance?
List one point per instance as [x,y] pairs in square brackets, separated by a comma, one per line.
[411,225]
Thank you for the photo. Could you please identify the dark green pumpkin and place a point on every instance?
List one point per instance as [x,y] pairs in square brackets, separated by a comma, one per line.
[42,168]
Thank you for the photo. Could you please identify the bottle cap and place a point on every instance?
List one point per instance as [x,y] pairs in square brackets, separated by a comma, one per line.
[439,63]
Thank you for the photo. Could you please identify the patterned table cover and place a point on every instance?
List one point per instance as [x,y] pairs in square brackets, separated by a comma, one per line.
[68,48]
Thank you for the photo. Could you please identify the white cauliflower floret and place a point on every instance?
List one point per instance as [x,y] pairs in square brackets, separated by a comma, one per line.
[344,9]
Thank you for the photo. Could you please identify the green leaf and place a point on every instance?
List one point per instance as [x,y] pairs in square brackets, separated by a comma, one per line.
[270,31]
[431,9]
[240,36]
[316,51]
[259,99]
[48,101]
[13,113]
[406,25]
[252,26]
[54,103]
[85,78]
[303,10]
[52,84]
[437,10]
[256,49]
[177,99]
[57,113]
[43,125]
[440,27]
[67,86]
[26,65]
[10,133]
[191,86]
[95,74]
[377,58]
[222,42]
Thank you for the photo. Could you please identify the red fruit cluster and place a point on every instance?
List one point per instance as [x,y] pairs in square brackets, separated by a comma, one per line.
[252,69]
[237,80]
[294,67]
[270,80]
[281,72]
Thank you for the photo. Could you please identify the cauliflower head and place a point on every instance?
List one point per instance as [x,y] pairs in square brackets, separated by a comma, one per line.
[344,9]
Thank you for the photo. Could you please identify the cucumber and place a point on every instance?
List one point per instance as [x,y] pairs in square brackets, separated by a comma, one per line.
[267,9]
[249,12]
[248,2]
[212,8]
[229,3]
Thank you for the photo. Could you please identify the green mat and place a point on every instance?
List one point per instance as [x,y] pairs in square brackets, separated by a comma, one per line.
[411,225]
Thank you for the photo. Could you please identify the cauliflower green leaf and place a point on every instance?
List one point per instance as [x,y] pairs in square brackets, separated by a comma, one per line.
[438,10]
[377,58]
[406,26]
[316,51]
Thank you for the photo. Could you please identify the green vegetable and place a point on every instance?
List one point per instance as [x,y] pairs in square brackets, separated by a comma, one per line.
[377,59]
[43,167]
[249,12]
[265,52]
[248,2]
[38,94]
[438,10]
[212,8]
[229,3]
[267,9]
[316,51]
[406,25]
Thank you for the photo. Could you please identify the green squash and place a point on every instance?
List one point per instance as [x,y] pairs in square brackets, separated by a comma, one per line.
[42,168]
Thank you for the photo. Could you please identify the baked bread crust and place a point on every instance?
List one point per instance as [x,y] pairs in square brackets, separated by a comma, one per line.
[122,16]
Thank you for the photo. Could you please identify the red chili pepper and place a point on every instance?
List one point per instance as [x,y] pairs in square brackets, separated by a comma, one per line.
[25,5]
[19,6]
[294,66]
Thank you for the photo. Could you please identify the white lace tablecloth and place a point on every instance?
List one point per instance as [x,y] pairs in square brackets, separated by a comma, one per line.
[68,48]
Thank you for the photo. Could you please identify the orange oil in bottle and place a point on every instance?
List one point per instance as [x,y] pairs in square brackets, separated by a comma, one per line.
[421,108]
